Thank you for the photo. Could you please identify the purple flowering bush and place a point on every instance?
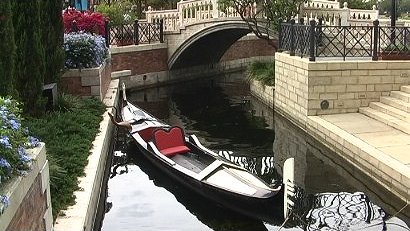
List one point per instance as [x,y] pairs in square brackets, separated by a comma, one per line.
[14,140]
[84,50]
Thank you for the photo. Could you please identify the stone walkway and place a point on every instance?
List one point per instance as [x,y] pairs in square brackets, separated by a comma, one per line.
[378,149]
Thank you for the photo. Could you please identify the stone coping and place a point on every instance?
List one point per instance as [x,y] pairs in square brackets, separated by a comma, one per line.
[86,72]
[386,170]
[136,48]
[18,187]
[81,216]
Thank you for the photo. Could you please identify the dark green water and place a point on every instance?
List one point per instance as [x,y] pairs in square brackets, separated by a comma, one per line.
[221,112]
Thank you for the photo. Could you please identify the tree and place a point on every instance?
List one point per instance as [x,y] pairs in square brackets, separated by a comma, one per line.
[29,66]
[7,48]
[273,12]
[361,4]
[53,36]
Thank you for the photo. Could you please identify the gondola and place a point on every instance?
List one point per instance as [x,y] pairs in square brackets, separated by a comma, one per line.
[185,159]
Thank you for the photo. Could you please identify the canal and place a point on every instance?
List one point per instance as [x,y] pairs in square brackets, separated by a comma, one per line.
[331,194]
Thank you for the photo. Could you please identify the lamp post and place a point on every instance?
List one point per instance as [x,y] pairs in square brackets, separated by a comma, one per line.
[393,13]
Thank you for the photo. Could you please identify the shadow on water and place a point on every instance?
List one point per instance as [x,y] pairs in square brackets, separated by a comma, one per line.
[332,194]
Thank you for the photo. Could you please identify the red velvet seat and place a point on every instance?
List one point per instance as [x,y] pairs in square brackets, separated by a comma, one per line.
[172,142]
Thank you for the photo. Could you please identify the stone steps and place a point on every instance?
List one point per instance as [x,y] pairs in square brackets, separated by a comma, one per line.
[401,95]
[385,108]
[396,103]
[405,89]
[393,110]
[386,119]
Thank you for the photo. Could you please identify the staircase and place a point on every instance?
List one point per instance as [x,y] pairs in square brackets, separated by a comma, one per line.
[393,110]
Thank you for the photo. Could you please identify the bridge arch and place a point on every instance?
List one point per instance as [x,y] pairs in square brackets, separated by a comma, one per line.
[208,44]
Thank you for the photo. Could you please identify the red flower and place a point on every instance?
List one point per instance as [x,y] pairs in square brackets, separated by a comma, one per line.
[92,22]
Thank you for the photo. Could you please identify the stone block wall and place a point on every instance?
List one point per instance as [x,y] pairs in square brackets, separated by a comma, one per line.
[331,87]
[88,81]
[140,59]
[29,196]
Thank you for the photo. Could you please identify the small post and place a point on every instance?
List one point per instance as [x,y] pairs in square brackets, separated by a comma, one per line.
[312,45]
[74,27]
[136,34]
[107,33]
[376,31]
[292,37]
[161,31]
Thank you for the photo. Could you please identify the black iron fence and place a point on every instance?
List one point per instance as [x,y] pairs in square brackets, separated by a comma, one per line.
[129,34]
[317,40]
[136,33]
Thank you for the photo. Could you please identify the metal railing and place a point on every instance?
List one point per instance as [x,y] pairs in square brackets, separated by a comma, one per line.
[317,40]
[140,32]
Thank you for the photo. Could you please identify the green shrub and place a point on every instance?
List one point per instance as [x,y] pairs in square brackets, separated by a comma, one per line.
[262,71]
[68,135]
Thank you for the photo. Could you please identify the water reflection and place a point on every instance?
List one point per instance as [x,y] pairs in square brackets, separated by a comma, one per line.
[246,132]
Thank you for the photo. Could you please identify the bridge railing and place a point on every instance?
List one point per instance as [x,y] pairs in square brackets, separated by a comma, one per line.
[139,32]
[318,40]
[333,15]
[194,11]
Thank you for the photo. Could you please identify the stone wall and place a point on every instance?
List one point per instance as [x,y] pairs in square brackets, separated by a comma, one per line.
[88,81]
[140,59]
[329,87]
[29,196]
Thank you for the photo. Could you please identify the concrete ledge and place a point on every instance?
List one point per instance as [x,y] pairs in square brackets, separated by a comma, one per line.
[135,48]
[81,216]
[119,74]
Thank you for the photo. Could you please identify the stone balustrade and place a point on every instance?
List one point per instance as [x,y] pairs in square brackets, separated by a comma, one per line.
[333,15]
[194,11]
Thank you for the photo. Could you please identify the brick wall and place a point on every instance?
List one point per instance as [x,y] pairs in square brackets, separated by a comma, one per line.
[302,86]
[29,215]
[249,46]
[140,59]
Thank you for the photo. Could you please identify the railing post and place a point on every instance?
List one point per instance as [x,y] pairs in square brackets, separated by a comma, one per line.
[312,40]
[161,31]
[107,34]
[292,37]
[280,37]
[376,34]
[319,41]
[136,33]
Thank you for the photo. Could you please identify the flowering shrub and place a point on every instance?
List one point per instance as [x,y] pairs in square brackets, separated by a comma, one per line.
[91,22]
[83,50]
[14,140]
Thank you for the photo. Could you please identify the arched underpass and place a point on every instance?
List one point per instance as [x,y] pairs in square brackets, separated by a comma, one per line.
[208,45]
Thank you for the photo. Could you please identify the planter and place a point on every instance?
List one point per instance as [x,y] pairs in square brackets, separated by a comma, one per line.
[88,82]
[394,55]
[29,197]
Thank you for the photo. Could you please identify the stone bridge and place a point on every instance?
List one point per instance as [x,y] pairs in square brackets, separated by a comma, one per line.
[198,32]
